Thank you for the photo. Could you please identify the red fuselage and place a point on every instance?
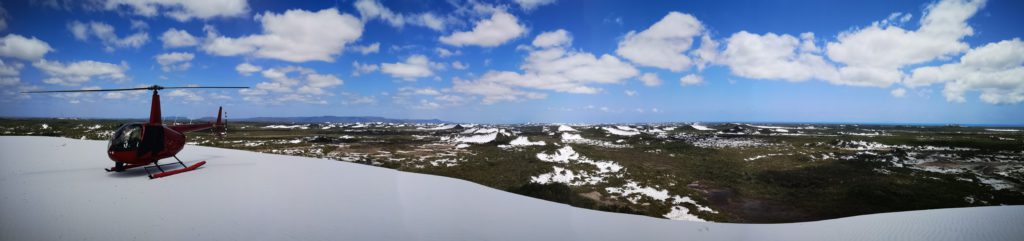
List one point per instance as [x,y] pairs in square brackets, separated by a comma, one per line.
[144,143]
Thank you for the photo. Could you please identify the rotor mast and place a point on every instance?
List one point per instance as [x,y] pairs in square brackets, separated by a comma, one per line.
[154,108]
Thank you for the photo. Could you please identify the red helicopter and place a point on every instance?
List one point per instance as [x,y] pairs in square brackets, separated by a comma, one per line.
[140,144]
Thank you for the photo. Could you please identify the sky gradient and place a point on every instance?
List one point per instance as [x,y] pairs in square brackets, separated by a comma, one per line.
[522,61]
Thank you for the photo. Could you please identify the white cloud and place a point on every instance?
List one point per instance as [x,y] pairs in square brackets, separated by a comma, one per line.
[500,28]
[175,61]
[10,69]
[182,10]
[174,38]
[663,44]
[315,83]
[427,105]
[368,49]
[80,72]
[444,53]
[772,56]
[107,34]
[247,69]
[554,68]
[430,21]
[451,99]
[414,67]
[356,99]
[459,65]
[372,9]
[188,96]
[898,92]
[630,93]
[492,91]
[557,38]
[874,56]
[708,52]
[691,79]
[418,91]
[291,84]
[996,70]
[294,36]
[9,75]
[530,5]
[650,79]
[360,68]
[17,46]
[139,25]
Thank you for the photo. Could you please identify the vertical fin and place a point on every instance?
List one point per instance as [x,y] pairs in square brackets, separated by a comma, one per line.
[219,111]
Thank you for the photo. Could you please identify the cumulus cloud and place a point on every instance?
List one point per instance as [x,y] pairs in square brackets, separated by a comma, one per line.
[20,47]
[874,56]
[291,84]
[530,5]
[174,38]
[360,68]
[368,49]
[418,91]
[691,79]
[356,99]
[557,38]
[373,9]
[996,70]
[499,29]
[444,53]
[459,65]
[10,69]
[898,92]
[871,56]
[663,45]
[106,34]
[294,36]
[80,72]
[555,68]
[10,73]
[247,69]
[772,56]
[492,92]
[650,79]
[181,10]
[186,95]
[414,67]
[175,61]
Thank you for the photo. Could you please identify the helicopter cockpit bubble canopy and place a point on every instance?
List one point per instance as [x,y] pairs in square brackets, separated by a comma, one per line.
[126,138]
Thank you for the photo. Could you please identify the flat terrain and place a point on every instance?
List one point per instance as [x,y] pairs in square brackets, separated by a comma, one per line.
[725,172]
[54,189]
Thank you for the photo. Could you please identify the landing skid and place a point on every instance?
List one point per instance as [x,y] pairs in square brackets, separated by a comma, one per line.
[162,173]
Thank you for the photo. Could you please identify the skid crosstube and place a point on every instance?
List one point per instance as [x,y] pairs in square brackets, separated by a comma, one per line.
[176,171]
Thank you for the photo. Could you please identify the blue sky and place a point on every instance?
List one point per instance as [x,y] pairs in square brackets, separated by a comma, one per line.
[523,61]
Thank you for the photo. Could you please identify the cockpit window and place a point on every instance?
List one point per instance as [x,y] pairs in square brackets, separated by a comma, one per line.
[126,138]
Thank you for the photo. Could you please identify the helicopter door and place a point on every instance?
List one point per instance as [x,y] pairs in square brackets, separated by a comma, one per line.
[152,140]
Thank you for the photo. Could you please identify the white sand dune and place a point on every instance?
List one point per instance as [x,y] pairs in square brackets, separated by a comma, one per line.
[55,188]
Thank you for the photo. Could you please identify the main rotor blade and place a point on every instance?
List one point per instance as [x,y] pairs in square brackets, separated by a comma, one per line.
[155,87]
[61,91]
[206,87]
